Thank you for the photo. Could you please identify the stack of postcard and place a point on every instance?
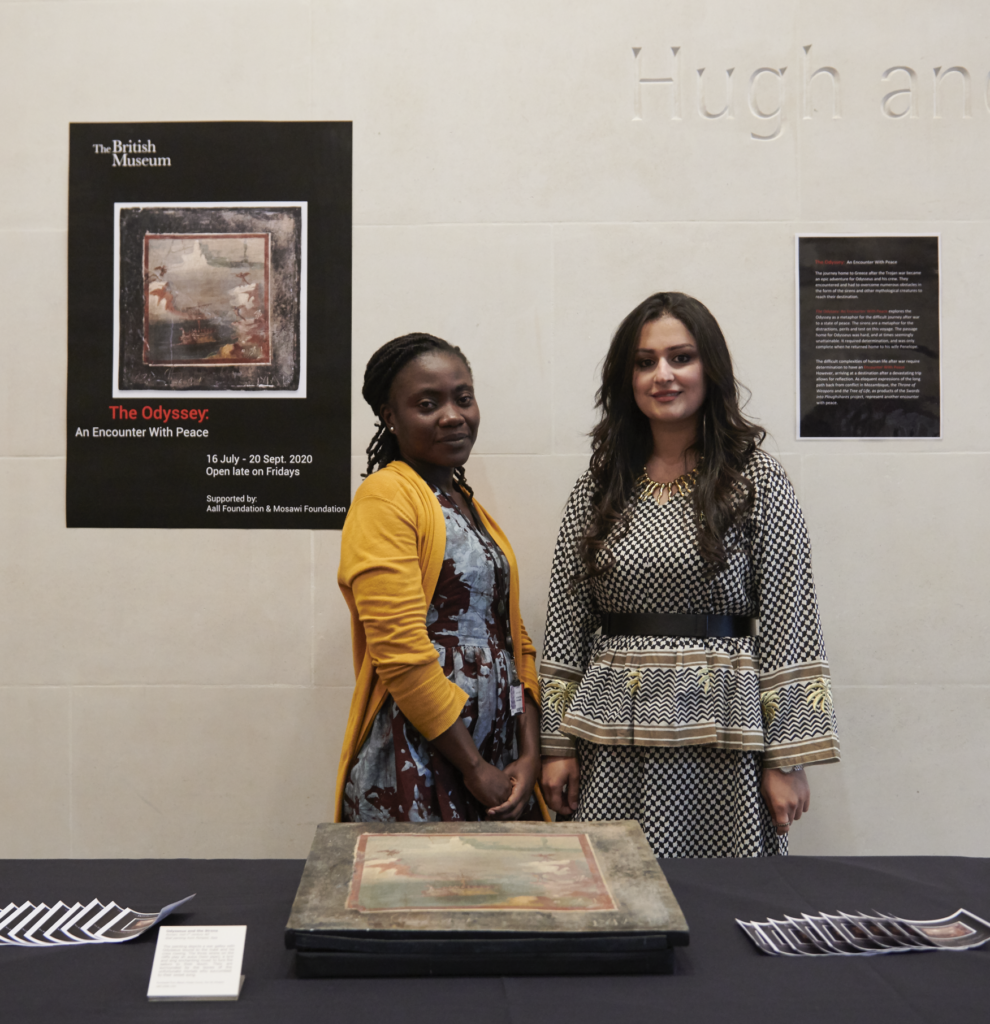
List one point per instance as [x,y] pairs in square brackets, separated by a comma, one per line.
[29,924]
[864,934]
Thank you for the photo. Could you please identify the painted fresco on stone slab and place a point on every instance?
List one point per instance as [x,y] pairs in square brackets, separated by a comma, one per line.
[476,872]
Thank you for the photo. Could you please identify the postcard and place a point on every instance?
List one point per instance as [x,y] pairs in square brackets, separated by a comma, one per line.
[826,936]
[799,938]
[866,926]
[961,930]
[766,939]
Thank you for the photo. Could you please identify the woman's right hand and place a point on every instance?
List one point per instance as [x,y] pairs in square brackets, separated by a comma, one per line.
[489,785]
[560,782]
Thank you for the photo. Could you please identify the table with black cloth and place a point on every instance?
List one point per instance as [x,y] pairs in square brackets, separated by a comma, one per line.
[719,977]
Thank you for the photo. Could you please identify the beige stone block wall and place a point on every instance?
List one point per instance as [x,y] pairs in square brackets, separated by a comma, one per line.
[519,184]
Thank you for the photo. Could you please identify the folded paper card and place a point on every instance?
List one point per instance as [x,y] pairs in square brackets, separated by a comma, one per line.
[200,963]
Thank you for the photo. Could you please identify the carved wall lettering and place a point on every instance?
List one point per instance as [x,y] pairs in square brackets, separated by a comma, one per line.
[887,106]
[940,75]
[768,97]
[832,74]
[726,111]
[754,105]
[673,81]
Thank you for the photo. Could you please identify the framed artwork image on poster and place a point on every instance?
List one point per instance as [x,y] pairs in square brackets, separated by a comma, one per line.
[210,297]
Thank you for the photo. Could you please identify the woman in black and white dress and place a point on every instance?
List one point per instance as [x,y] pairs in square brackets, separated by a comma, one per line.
[681,543]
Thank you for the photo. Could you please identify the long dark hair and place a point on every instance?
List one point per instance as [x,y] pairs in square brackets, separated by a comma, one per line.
[379,375]
[622,441]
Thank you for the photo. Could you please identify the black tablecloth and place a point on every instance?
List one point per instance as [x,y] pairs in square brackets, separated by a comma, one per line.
[719,977]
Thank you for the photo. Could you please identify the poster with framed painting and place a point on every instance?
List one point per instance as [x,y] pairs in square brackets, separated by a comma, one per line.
[209,325]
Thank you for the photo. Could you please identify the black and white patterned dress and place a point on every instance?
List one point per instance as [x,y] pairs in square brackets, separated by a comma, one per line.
[675,732]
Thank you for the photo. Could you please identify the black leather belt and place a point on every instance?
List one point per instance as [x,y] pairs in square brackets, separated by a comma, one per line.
[657,624]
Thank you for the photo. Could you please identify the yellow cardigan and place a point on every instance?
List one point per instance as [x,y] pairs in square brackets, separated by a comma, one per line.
[392,549]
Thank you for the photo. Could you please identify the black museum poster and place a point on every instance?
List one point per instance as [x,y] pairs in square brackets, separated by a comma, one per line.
[868,336]
[209,325]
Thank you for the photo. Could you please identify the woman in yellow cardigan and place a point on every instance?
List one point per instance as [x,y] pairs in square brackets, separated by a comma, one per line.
[444,723]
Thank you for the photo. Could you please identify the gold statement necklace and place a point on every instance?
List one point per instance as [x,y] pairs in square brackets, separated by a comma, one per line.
[683,485]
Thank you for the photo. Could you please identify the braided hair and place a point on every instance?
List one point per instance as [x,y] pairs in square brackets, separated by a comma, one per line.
[379,375]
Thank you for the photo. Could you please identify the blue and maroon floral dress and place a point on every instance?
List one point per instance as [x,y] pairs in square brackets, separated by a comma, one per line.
[398,775]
